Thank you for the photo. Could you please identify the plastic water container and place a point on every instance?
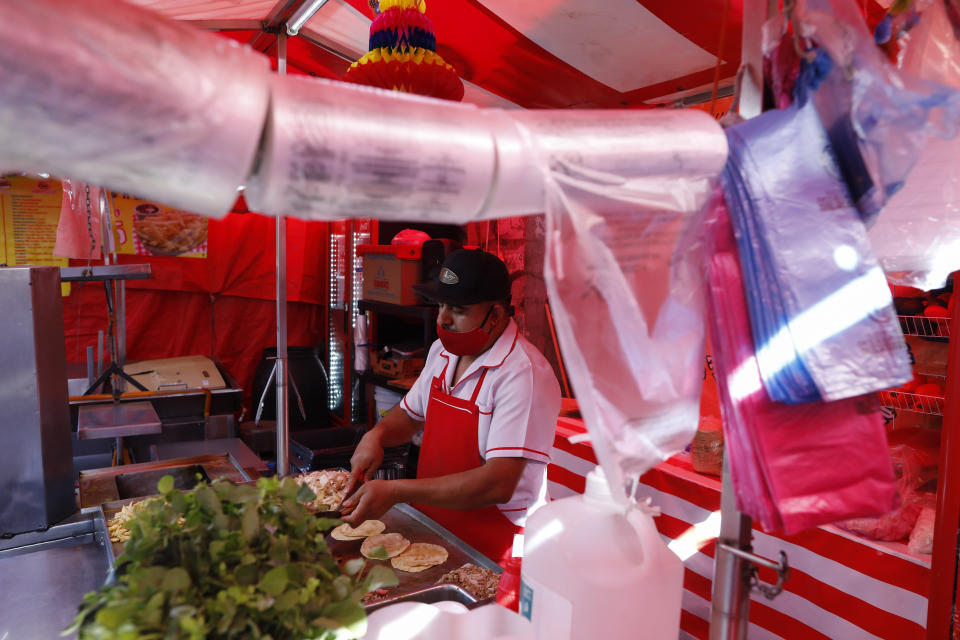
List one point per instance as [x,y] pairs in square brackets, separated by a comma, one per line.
[385,399]
[592,570]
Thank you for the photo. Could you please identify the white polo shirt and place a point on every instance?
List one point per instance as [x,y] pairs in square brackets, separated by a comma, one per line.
[519,403]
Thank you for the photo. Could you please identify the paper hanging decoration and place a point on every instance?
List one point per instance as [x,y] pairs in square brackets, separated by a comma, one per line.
[403,53]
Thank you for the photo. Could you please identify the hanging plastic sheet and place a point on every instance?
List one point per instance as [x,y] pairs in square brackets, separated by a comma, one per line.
[917,239]
[115,95]
[821,312]
[78,230]
[793,467]
[877,118]
[623,273]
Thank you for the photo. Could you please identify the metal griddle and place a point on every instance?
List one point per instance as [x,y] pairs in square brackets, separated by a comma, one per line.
[402,519]
[420,587]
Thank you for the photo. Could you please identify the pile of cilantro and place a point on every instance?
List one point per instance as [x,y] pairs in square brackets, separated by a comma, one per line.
[230,561]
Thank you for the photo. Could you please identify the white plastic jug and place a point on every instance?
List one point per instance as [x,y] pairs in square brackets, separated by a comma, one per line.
[592,569]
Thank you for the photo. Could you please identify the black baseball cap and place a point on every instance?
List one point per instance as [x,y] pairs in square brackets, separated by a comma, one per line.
[468,276]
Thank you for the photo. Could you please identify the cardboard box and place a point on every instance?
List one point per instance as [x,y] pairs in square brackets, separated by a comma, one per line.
[172,374]
[389,274]
[394,367]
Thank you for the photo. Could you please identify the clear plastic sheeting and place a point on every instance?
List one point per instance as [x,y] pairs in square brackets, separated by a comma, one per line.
[114,95]
[79,230]
[793,466]
[336,150]
[917,238]
[878,119]
[822,316]
[623,272]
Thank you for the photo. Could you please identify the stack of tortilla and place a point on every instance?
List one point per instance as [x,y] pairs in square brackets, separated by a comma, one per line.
[419,556]
[403,555]
[393,543]
[366,529]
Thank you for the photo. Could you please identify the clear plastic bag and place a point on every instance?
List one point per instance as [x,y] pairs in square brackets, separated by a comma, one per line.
[821,312]
[917,239]
[624,279]
[878,119]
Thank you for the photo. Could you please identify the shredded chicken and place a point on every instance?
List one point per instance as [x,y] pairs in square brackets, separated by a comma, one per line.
[479,582]
[330,487]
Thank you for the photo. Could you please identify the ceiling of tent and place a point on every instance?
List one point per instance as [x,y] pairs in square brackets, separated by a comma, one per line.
[530,53]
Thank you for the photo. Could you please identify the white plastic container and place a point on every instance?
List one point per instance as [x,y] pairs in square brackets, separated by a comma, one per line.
[590,570]
[385,399]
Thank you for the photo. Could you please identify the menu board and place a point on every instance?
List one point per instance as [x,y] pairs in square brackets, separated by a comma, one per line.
[146,228]
[29,212]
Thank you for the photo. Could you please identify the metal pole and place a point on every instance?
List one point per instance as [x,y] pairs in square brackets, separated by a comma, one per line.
[730,601]
[283,399]
[943,568]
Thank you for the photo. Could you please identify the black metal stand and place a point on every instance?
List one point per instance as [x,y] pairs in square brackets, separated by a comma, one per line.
[114,371]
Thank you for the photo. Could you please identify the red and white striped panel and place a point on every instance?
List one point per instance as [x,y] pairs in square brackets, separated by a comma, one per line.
[534,53]
[841,587]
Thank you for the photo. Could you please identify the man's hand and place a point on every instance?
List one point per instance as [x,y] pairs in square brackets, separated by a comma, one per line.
[366,459]
[371,501]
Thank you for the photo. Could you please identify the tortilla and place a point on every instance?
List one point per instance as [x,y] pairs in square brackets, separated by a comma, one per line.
[366,528]
[394,543]
[420,556]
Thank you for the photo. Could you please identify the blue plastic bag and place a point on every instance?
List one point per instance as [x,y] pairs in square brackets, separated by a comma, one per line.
[821,313]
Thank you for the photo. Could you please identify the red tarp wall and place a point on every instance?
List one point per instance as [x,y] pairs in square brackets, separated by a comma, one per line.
[221,306]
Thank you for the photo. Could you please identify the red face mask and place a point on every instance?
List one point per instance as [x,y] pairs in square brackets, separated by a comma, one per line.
[465,343]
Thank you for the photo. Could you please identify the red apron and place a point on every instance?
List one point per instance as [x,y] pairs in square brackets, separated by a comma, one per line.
[450,446]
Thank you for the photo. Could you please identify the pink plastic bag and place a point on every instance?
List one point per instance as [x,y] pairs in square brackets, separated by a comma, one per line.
[798,466]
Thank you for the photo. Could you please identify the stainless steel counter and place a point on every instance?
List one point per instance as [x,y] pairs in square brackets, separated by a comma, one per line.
[45,575]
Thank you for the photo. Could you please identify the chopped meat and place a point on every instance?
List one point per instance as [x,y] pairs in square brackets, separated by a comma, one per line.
[479,582]
[329,485]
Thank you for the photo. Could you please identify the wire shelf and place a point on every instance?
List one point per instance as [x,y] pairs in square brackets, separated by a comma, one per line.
[925,327]
[904,401]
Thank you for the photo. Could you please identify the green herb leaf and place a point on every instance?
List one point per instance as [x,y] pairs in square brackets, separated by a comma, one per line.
[306,494]
[177,579]
[379,553]
[274,581]
[349,614]
[250,523]
[353,567]
[381,576]
[165,485]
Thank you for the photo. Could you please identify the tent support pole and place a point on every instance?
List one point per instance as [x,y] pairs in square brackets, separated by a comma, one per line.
[730,601]
[283,398]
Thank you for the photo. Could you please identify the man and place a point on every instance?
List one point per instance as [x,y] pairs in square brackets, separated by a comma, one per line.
[487,402]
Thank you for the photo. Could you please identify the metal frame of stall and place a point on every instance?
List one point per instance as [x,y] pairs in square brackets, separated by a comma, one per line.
[733,569]
[733,573]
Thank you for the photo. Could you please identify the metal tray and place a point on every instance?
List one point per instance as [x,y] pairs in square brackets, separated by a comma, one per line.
[101,485]
[106,511]
[420,587]
[429,595]
[402,519]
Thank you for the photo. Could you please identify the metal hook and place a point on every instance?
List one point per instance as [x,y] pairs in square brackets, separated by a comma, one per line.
[782,568]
